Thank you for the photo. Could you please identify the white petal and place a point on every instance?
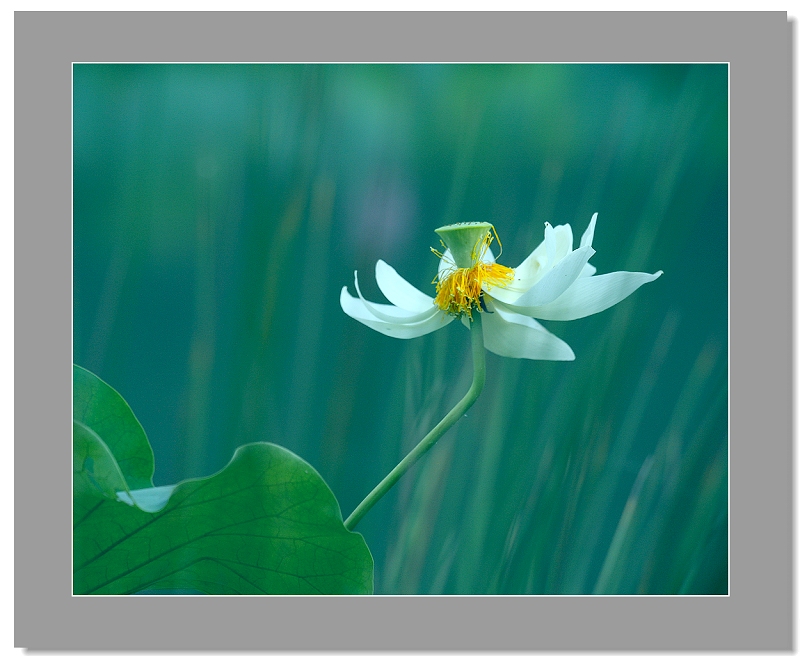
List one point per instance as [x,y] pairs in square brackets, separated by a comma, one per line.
[563,235]
[588,236]
[537,264]
[392,313]
[549,243]
[356,308]
[556,281]
[516,336]
[588,270]
[514,317]
[399,291]
[590,295]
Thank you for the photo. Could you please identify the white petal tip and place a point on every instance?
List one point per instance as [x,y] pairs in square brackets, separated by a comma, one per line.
[344,298]
[567,355]
[657,274]
[588,234]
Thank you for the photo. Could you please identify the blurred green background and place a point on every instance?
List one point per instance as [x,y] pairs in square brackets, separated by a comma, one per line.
[219,210]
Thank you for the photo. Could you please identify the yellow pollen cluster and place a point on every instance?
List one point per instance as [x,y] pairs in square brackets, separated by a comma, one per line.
[460,290]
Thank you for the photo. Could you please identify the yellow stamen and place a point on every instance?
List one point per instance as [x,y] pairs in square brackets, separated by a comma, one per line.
[459,291]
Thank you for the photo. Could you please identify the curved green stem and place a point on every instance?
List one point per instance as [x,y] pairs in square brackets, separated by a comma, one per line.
[478,379]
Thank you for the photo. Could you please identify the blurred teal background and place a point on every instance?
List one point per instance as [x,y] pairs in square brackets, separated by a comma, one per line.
[219,210]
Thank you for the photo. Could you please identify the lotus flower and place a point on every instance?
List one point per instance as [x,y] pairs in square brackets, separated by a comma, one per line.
[553,283]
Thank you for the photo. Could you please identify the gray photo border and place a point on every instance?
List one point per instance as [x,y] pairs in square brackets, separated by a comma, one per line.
[757,615]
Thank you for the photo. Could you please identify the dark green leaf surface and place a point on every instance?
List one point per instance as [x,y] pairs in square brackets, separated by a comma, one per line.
[266,524]
[102,410]
[95,472]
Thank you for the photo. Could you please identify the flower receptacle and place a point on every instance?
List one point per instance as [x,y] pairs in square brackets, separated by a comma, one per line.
[462,240]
